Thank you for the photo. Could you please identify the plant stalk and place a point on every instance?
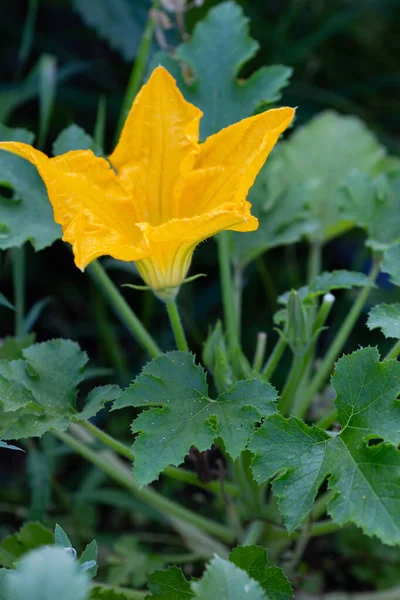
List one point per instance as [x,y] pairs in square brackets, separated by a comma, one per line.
[339,341]
[177,326]
[122,309]
[117,470]
[18,268]
[172,472]
[274,359]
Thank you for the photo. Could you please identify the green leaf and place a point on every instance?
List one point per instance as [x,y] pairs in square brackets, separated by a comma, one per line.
[169,585]
[385,317]
[328,281]
[88,559]
[180,413]
[283,218]
[365,479]
[28,215]
[213,84]
[29,405]
[374,205]
[11,348]
[254,560]
[316,159]
[120,22]
[46,574]
[30,536]
[74,138]
[61,538]
[223,579]
[10,446]
[391,263]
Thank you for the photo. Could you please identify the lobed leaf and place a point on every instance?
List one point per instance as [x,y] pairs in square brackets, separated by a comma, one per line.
[391,263]
[385,317]
[254,560]
[179,413]
[213,83]
[45,574]
[328,281]
[374,205]
[316,159]
[39,391]
[366,479]
[27,215]
[223,579]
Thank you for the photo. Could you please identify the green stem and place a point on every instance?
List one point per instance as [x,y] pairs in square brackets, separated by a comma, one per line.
[267,283]
[260,351]
[393,352]
[117,470]
[228,292]
[274,358]
[293,380]
[176,325]
[18,266]
[314,261]
[253,533]
[238,291]
[138,70]
[322,315]
[172,472]
[321,504]
[122,309]
[340,340]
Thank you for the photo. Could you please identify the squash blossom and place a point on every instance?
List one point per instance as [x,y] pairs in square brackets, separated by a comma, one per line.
[161,192]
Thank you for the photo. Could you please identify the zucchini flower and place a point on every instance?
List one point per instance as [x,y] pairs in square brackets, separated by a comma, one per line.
[161,192]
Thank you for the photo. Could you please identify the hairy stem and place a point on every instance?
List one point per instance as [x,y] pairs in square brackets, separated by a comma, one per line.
[176,325]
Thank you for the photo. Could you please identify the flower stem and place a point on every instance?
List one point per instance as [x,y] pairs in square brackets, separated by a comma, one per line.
[172,472]
[139,67]
[289,391]
[253,533]
[227,292]
[122,309]
[314,261]
[260,351]
[394,351]
[110,464]
[18,266]
[176,325]
[274,358]
[339,341]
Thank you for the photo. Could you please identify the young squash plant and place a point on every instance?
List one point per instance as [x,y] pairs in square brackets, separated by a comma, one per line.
[301,455]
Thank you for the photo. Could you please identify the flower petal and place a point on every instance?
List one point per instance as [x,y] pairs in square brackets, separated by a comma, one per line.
[229,162]
[157,146]
[96,212]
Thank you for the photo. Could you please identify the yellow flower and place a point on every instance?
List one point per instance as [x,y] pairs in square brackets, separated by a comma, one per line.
[160,192]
